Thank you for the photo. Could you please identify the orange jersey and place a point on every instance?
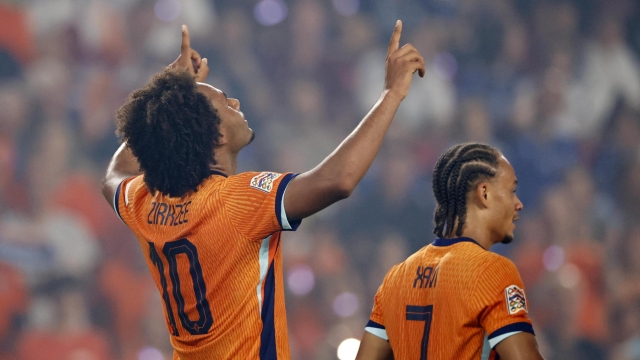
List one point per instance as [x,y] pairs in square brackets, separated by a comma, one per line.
[443,301]
[216,260]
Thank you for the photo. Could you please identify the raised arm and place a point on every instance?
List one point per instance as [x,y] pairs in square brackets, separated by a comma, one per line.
[123,165]
[337,176]
[521,346]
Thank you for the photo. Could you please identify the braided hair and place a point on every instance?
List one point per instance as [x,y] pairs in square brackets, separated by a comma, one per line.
[457,171]
[172,129]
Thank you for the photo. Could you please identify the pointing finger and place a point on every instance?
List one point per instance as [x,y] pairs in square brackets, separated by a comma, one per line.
[185,46]
[394,43]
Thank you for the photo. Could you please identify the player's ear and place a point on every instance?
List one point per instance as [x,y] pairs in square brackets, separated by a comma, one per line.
[224,134]
[481,194]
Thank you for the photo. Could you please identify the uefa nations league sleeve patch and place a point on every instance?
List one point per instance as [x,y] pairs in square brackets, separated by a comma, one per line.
[264,181]
[516,300]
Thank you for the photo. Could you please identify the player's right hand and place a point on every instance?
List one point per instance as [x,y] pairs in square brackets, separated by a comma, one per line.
[190,59]
[402,63]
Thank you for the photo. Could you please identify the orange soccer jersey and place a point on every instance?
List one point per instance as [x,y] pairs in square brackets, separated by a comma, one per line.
[443,301]
[215,257]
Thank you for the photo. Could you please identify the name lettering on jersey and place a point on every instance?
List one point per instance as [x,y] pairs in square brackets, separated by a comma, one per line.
[264,181]
[168,214]
[516,300]
[426,277]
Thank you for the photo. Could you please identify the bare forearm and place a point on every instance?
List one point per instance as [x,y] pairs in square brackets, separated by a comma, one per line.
[351,160]
[123,165]
[337,176]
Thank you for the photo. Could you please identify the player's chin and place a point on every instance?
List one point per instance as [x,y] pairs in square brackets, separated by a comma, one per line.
[508,239]
[251,137]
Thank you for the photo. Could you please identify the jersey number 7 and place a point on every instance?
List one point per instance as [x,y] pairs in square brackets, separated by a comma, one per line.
[422,313]
[171,250]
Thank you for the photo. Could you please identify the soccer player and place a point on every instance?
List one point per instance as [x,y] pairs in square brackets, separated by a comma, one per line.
[211,237]
[445,299]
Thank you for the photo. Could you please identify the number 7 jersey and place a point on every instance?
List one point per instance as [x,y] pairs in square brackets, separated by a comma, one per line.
[446,299]
[215,257]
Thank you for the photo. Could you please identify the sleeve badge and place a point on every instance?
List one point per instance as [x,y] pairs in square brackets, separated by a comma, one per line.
[516,300]
[264,181]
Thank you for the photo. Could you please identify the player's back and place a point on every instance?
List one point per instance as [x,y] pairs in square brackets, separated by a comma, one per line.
[215,258]
[442,300]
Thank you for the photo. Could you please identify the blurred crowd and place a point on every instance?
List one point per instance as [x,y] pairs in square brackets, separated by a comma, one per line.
[555,84]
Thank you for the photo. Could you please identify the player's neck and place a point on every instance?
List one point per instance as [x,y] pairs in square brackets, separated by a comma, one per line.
[481,236]
[475,227]
[226,163]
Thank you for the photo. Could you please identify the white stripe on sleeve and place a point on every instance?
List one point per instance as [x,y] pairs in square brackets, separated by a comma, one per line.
[381,333]
[493,342]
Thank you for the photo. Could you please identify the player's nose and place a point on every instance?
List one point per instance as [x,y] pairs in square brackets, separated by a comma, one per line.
[519,205]
[234,103]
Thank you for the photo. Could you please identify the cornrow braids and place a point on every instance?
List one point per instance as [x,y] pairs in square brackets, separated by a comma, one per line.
[439,188]
[452,183]
[455,173]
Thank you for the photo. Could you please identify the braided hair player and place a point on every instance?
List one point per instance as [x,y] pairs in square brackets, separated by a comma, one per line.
[454,299]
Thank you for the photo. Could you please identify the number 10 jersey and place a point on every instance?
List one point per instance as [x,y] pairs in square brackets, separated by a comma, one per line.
[215,257]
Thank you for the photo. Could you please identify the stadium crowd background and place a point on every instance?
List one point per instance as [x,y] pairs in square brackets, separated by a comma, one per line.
[554,84]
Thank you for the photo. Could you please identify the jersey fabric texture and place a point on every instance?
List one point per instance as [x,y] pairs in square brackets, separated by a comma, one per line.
[215,257]
[446,299]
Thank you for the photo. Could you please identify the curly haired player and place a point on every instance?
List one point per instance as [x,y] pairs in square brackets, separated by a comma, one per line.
[211,237]
[447,298]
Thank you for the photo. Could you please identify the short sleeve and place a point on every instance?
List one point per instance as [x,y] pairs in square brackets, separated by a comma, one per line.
[255,203]
[122,200]
[500,299]
[375,325]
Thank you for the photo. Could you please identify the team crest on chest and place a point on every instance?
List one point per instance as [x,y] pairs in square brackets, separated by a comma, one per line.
[264,181]
[516,300]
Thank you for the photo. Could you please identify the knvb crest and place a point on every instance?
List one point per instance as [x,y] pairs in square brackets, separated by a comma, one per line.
[516,300]
[264,181]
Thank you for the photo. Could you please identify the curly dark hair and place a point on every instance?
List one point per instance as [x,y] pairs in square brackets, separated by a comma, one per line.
[172,129]
[456,172]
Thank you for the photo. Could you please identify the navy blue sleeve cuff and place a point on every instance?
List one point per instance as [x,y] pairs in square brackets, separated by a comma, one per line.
[515,327]
[116,199]
[373,324]
[281,214]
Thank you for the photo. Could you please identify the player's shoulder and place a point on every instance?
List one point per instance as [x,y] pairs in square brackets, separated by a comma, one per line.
[497,262]
[133,188]
[393,276]
[399,270]
[258,180]
[469,254]
[497,269]
[417,256]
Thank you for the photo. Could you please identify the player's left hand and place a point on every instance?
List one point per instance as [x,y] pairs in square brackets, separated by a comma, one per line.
[190,59]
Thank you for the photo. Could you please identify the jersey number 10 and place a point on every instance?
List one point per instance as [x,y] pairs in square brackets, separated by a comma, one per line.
[171,250]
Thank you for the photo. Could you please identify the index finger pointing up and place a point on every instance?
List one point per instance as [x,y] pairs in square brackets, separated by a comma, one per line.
[394,43]
[185,47]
